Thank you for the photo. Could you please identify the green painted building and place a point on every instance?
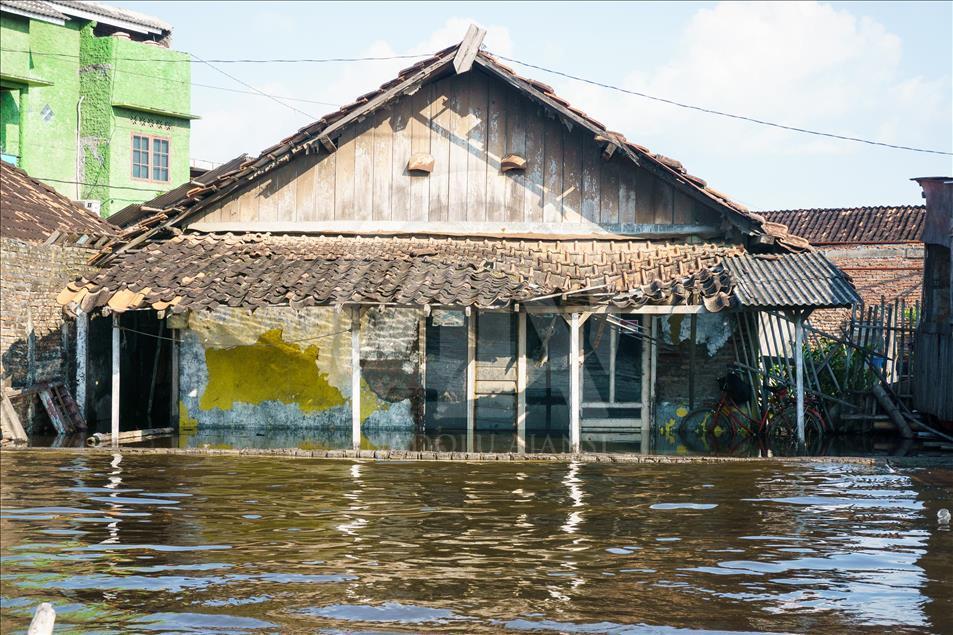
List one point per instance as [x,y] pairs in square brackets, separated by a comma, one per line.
[93,101]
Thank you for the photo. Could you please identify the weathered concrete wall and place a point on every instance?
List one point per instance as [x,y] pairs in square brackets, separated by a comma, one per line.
[281,369]
[36,343]
[713,352]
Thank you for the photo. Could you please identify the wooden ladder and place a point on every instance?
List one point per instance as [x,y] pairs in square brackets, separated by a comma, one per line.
[68,406]
[62,409]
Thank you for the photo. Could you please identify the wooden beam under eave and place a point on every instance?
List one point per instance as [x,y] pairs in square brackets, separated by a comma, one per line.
[468,49]
[328,144]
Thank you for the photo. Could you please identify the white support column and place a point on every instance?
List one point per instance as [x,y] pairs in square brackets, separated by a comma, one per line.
[82,352]
[645,414]
[613,351]
[356,377]
[422,357]
[575,377]
[799,372]
[521,383]
[114,418]
[471,378]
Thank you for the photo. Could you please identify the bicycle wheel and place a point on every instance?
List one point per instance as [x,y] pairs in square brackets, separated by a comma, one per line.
[782,433]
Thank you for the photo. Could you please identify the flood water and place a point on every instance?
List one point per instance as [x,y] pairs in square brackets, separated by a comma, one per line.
[239,544]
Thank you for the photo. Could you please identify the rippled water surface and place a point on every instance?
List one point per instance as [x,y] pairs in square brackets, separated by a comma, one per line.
[239,544]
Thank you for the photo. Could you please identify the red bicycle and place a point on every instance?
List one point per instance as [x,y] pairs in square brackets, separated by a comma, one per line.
[724,420]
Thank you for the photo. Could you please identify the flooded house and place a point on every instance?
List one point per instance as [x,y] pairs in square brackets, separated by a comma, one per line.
[458,254]
[45,241]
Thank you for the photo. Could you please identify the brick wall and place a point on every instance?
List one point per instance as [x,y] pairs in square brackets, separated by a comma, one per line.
[36,343]
[878,271]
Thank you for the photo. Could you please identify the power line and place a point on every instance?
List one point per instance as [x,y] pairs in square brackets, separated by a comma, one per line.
[724,114]
[230,90]
[111,187]
[672,102]
[247,85]
[304,60]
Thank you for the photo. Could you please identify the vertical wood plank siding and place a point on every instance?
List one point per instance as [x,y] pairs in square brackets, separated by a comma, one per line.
[467,123]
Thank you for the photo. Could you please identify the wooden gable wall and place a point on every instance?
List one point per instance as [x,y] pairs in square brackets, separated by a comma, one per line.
[467,123]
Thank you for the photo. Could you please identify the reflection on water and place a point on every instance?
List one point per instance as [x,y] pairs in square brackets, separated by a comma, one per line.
[229,544]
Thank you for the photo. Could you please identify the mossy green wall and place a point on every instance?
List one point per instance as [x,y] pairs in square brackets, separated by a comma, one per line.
[126,87]
[45,116]
[116,71]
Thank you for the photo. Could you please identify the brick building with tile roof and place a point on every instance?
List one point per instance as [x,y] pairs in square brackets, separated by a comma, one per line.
[45,241]
[879,247]
[459,252]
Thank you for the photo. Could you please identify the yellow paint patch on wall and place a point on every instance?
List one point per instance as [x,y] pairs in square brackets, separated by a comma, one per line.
[186,422]
[370,403]
[268,370]
[226,327]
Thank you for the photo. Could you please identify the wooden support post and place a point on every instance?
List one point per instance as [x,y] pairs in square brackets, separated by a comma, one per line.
[422,356]
[471,379]
[521,383]
[82,354]
[799,372]
[645,413]
[575,388]
[114,418]
[613,351]
[356,377]
[691,362]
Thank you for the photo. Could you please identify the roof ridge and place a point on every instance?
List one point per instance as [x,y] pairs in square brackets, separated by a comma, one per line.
[840,209]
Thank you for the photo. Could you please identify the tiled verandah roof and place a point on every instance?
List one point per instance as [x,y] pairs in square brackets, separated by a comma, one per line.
[195,271]
[201,271]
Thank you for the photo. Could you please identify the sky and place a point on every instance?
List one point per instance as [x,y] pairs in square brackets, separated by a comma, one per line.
[878,70]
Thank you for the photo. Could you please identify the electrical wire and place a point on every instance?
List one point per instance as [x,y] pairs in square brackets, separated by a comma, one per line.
[672,102]
[720,113]
[247,85]
[297,60]
[112,187]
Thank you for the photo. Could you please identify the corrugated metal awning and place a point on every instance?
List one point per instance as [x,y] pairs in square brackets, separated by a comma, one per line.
[790,280]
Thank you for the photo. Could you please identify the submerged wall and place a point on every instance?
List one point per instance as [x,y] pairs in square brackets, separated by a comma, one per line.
[278,368]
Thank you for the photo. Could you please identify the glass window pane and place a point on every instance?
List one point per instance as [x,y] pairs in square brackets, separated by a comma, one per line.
[446,382]
[496,371]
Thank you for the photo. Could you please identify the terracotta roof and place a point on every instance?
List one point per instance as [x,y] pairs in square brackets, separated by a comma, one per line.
[853,225]
[196,271]
[31,210]
[790,280]
[407,81]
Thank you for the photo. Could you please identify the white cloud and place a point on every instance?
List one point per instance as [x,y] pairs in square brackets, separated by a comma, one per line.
[797,63]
